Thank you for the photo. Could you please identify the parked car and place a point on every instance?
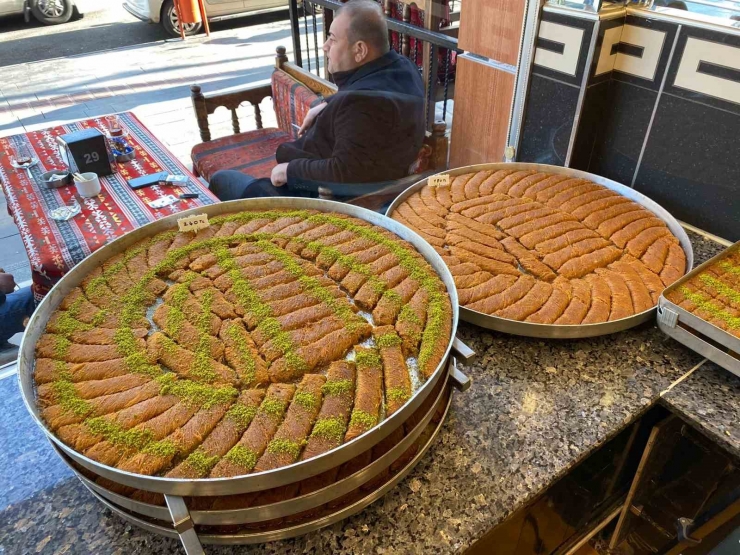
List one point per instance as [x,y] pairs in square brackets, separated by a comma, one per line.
[163,12]
[48,12]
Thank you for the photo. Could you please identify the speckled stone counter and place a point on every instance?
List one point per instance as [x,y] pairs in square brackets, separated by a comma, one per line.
[535,409]
[709,400]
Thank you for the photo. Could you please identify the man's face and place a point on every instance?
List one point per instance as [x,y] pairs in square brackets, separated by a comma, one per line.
[340,53]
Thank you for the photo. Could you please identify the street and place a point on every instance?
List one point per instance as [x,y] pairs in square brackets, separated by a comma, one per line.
[110,27]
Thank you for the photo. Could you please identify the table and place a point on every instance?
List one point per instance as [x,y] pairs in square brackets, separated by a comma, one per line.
[54,247]
[535,410]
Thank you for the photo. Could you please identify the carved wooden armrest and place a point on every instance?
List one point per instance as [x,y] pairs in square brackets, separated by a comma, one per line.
[206,104]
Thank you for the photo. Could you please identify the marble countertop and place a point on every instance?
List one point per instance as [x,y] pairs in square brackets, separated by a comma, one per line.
[535,409]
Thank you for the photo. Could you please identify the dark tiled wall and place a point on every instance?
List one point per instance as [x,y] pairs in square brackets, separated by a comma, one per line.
[554,87]
[691,163]
[661,113]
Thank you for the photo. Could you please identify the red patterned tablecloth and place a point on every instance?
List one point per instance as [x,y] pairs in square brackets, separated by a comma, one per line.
[54,247]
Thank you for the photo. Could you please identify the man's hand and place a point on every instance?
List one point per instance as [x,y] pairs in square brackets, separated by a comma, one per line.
[7,283]
[310,118]
[279,175]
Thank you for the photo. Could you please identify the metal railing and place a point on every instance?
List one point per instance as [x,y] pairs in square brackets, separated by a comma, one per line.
[310,22]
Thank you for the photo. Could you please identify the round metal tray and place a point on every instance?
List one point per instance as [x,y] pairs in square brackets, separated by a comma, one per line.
[132,514]
[552,330]
[252,482]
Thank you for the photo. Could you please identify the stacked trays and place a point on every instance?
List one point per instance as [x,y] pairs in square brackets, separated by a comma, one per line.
[282,368]
[546,251]
[702,310]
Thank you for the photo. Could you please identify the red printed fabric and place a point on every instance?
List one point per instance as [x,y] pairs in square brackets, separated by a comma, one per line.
[252,153]
[292,101]
[55,247]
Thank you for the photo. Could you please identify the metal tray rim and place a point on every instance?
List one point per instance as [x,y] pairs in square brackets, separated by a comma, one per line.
[562,331]
[290,531]
[692,320]
[250,482]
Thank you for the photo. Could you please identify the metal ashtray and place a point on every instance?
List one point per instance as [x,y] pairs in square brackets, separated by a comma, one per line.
[57,178]
[122,151]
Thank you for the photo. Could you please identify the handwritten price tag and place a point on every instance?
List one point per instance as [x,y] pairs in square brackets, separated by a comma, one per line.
[442,180]
[195,222]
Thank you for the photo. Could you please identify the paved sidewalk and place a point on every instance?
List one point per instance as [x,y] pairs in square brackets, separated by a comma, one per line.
[152,80]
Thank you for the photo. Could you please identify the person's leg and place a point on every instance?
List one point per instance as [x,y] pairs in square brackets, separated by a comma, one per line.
[229,184]
[233,185]
[16,308]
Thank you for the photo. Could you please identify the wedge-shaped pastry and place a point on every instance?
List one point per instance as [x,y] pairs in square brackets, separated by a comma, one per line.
[185,334]
[640,294]
[60,348]
[534,184]
[487,264]
[242,457]
[368,394]
[457,187]
[396,377]
[493,285]
[291,436]
[331,424]
[675,264]
[601,300]
[587,263]
[48,370]
[557,302]
[532,301]
[241,354]
[528,261]
[580,303]
[390,304]
[50,394]
[506,297]
[332,346]
[71,411]
[557,259]
[180,443]
[225,434]
[622,306]
[411,322]
[637,246]
[113,449]
[193,365]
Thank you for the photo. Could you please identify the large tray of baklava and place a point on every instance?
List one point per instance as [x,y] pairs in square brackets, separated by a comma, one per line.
[702,309]
[280,341]
[547,251]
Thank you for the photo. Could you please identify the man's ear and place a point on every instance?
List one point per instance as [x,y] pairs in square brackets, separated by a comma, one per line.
[360,51]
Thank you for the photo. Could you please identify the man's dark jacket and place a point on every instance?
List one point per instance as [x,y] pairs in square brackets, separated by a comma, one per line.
[371,129]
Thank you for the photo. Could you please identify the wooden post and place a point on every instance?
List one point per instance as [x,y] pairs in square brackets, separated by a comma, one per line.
[280,57]
[204,17]
[179,19]
[201,112]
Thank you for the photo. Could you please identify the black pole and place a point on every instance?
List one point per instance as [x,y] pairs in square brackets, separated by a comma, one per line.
[295,31]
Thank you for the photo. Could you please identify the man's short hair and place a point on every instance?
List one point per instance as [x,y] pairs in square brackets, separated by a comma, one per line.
[366,23]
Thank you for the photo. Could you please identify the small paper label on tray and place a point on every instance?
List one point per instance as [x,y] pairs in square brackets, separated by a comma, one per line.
[195,222]
[442,180]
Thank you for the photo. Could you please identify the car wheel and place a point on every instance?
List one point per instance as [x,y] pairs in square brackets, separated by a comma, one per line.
[52,12]
[171,22]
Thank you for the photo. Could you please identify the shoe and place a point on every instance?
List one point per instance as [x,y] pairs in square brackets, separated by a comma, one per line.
[8,353]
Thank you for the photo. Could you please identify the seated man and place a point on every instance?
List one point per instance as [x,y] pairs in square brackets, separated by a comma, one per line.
[370,130]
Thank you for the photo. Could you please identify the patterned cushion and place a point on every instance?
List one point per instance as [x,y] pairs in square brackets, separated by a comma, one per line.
[292,101]
[252,153]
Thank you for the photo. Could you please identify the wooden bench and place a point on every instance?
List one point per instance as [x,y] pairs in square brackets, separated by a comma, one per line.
[294,91]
